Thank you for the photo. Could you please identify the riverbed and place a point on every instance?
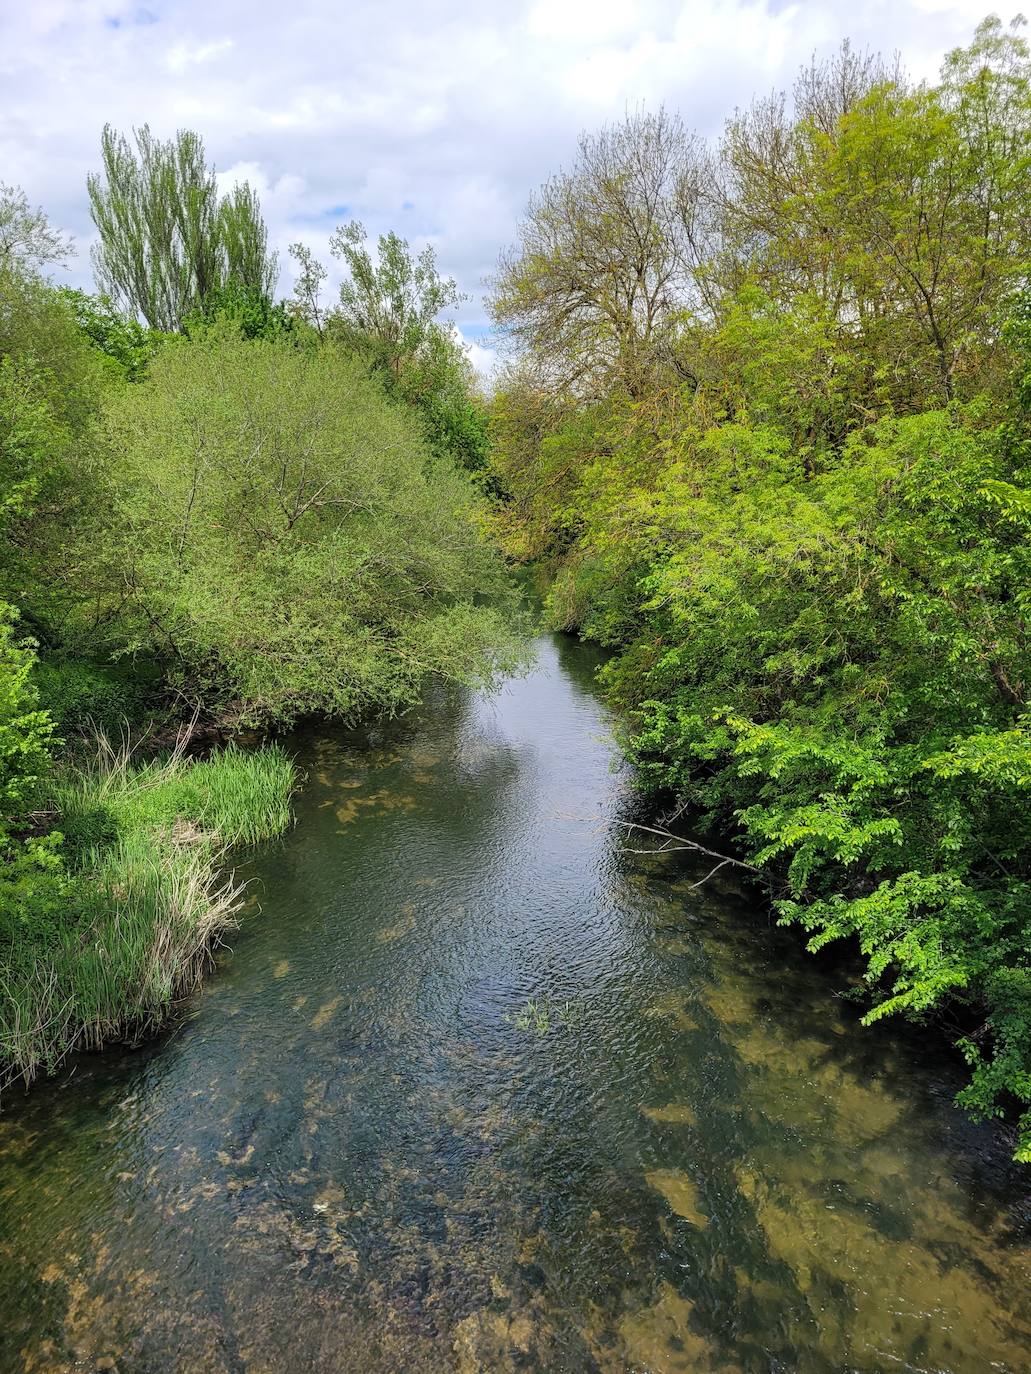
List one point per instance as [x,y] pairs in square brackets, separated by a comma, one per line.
[477,1089]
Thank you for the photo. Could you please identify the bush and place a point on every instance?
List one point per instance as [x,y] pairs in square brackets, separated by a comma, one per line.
[833,666]
[81,696]
[288,545]
[26,731]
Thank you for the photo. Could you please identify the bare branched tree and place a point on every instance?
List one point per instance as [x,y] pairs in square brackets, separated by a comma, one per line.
[307,297]
[27,238]
[602,263]
[770,222]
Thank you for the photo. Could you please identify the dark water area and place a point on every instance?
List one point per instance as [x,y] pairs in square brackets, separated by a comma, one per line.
[480,1090]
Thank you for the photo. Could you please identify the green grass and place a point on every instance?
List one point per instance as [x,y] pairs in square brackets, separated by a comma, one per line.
[240,797]
[540,1015]
[109,937]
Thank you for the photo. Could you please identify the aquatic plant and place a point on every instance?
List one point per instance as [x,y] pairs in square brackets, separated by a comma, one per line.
[539,1015]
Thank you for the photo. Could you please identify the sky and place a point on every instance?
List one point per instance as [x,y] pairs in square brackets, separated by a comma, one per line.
[436,118]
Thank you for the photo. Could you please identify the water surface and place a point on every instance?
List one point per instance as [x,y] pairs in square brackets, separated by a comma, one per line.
[479,1090]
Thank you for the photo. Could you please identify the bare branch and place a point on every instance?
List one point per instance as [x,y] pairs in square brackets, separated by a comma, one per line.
[673,844]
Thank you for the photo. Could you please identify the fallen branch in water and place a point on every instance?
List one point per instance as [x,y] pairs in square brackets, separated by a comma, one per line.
[673,844]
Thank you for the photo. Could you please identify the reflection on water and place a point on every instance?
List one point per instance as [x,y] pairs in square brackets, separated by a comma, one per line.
[360,1152]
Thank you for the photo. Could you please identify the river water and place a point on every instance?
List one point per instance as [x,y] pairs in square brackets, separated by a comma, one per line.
[478,1090]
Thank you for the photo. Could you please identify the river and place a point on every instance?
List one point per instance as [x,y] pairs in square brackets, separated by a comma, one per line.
[479,1090]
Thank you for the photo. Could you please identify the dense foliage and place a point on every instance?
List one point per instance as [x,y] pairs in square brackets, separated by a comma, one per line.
[778,451]
[285,541]
[387,316]
[108,909]
[219,515]
[768,422]
[122,919]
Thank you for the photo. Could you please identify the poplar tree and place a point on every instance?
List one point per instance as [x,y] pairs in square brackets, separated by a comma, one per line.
[168,241]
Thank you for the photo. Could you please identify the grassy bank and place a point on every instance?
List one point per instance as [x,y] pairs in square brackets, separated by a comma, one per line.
[122,922]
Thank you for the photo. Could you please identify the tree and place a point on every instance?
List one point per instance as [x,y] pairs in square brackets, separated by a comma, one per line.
[306,302]
[771,226]
[798,510]
[248,264]
[388,316]
[120,338]
[25,731]
[900,208]
[167,241]
[389,306]
[27,238]
[53,508]
[246,308]
[286,546]
[601,267]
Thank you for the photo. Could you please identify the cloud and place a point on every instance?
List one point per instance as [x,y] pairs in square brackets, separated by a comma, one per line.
[185,55]
[433,117]
[483,357]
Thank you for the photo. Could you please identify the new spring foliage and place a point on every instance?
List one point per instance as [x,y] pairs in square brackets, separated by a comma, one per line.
[779,460]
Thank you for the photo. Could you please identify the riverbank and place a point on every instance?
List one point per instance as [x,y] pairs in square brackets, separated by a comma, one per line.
[359,1153]
[799,515]
[127,895]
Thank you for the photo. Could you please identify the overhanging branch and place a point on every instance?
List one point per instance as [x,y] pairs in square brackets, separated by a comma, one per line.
[672,844]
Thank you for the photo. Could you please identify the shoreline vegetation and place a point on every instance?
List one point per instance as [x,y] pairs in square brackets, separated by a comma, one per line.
[765,420]
[217,509]
[768,423]
[143,897]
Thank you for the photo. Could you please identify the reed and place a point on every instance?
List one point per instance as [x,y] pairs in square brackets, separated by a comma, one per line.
[146,899]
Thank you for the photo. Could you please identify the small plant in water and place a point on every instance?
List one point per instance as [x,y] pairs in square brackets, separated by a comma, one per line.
[540,1015]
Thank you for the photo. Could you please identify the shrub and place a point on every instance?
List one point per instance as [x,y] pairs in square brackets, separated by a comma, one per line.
[288,545]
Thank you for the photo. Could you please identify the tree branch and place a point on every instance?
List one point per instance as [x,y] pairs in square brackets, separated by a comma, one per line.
[672,844]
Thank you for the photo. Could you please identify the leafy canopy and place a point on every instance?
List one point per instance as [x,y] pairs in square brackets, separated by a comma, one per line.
[285,542]
[772,429]
[168,240]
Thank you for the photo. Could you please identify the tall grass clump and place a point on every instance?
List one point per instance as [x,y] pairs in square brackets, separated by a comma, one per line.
[142,899]
[236,795]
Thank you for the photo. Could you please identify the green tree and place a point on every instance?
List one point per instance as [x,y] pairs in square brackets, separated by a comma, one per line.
[387,315]
[167,241]
[389,306]
[120,338]
[245,308]
[247,263]
[306,303]
[287,548]
[806,533]
[52,455]
[835,667]
[25,733]
[899,208]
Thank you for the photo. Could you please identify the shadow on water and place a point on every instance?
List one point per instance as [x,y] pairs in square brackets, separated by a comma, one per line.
[481,1091]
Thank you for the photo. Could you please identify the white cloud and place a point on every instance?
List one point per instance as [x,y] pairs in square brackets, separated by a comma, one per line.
[281,196]
[185,55]
[483,357]
[432,117]
[571,21]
